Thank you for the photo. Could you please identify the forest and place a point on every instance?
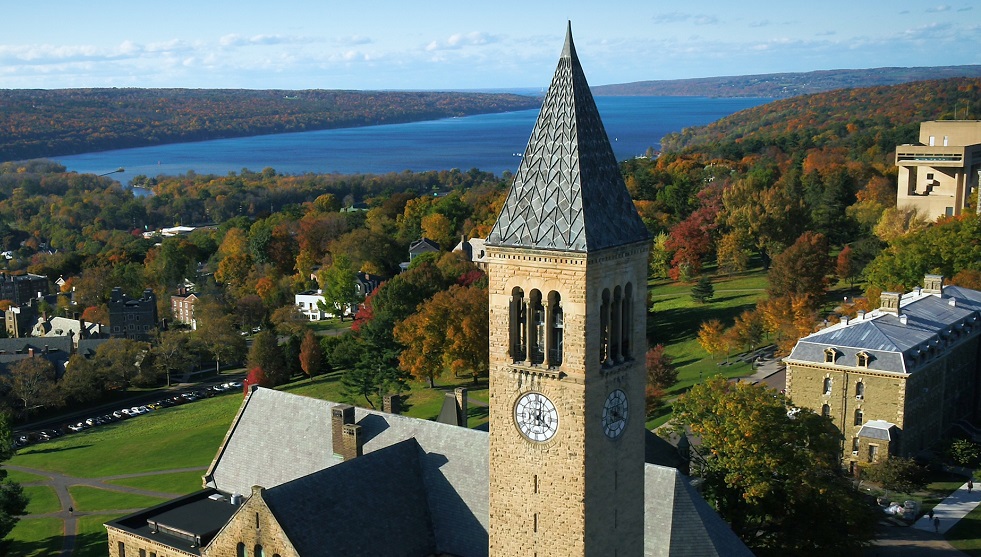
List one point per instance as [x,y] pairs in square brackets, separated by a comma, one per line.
[47,123]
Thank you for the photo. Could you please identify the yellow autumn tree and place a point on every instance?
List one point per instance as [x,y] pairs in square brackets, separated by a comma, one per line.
[448,333]
[711,337]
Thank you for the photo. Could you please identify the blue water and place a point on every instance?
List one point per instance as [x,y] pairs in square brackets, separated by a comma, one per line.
[490,142]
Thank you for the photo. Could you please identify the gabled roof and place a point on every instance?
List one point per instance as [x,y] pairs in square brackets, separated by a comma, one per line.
[568,193]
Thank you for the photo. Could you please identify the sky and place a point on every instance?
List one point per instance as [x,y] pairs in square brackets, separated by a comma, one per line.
[442,45]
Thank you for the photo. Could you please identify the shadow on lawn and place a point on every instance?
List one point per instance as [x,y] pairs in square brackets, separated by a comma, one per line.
[678,324]
[52,450]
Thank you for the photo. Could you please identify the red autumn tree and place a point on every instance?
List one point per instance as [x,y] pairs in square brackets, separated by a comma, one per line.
[311,356]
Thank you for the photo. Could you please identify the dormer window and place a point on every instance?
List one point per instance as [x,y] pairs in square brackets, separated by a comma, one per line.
[862,359]
[829,355]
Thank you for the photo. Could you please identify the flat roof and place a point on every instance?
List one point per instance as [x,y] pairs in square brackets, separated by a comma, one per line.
[185,523]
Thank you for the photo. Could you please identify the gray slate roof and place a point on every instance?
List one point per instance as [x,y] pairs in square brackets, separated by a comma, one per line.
[283,442]
[931,322]
[876,429]
[568,193]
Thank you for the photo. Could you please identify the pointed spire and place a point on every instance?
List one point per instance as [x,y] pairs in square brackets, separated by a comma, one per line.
[568,193]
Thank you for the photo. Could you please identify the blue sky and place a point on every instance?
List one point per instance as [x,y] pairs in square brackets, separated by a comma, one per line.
[439,44]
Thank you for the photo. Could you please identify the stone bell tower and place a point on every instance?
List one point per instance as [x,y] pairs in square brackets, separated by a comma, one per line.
[567,268]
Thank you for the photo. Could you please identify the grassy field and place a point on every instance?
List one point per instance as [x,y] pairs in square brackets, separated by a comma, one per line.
[94,499]
[91,540]
[39,537]
[43,500]
[179,482]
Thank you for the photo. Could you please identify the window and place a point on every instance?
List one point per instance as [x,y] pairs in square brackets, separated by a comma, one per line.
[556,325]
[873,453]
[854,445]
[627,328]
[829,355]
[538,328]
[827,386]
[858,416]
[862,359]
[604,352]
[142,553]
[259,552]
[949,211]
[516,330]
[860,390]
[122,549]
[240,550]
[825,410]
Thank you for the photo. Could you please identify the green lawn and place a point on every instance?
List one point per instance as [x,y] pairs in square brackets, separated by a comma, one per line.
[91,540]
[24,477]
[178,483]
[94,499]
[178,437]
[43,500]
[37,537]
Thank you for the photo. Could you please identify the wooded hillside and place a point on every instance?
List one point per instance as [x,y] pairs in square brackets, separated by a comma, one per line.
[46,123]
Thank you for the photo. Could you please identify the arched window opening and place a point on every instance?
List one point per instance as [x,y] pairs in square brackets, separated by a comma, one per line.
[538,329]
[616,325]
[826,411]
[859,417]
[259,552]
[240,550]
[863,359]
[860,389]
[827,386]
[516,330]
[605,329]
[556,326]
[627,322]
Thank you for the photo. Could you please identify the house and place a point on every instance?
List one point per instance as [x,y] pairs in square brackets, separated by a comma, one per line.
[182,305]
[474,250]
[75,329]
[417,248]
[56,350]
[366,283]
[21,288]
[937,174]
[895,379]
[562,470]
[311,303]
[132,318]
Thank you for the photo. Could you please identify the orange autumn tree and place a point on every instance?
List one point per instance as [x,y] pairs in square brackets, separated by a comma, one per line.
[448,332]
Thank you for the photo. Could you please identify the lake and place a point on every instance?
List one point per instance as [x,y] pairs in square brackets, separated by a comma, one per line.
[490,142]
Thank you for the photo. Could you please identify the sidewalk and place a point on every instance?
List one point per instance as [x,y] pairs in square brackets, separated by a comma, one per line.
[953,508]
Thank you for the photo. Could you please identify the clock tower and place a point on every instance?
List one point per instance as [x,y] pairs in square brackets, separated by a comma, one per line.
[567,270]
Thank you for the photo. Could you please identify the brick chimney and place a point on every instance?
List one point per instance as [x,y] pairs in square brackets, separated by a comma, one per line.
[392,404]
[461,406]
[340,415]
[352,443]
[889,302]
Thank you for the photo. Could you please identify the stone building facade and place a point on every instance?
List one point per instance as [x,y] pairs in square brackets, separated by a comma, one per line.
[895,379]
[937,175]
[132,318]
[19,289]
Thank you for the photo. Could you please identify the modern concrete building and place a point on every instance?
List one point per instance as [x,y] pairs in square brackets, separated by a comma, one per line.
[938,174]
[564,470]
[897,378]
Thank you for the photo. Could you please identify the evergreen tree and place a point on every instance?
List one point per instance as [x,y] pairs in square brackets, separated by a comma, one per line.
[703,290]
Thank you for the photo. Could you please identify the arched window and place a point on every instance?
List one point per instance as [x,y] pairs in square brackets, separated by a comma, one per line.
[859,417]
[556,325]
[829,355]
[860,389]
[827,386]
[537,328]
[616,325]
[627,321]
[604,352]
[516,330]
[240,550]
[259,552]
[826,411]
[862,359]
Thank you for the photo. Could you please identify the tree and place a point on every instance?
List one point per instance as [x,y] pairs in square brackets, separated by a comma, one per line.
[747,330]
[711,337]
[33,382]
[773,471]
[703,291]
[375,374]
[732,253]
[311,357]
[13,502]
[120,360]
[845,267]
[266,355]
[802,269]
[256,376]
[448,332]
[897,474]
[218,334]
[288,321]
[339,287]
[660,372]
[174,354]
[964,453]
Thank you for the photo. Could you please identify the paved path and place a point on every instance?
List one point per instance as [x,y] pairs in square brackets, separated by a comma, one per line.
[953,508]
[61,482]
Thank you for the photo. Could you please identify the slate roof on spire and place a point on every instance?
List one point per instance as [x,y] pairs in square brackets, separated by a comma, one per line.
[568,193]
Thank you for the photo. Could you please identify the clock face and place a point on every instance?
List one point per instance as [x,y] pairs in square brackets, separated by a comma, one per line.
[536,417]
[615,414]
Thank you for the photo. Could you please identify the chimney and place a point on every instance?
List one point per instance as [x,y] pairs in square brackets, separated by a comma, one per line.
[845,319]
[903,319]
[860,315]
[461,406]
[30,352]
[392,404]
[352,443]
[340,415]
[889,302]
[952,302]
[933,284]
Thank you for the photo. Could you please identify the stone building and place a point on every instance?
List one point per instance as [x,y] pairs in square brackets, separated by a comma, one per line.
[565,468]
[894,379]
[937,174]
[19,289]
[132,318]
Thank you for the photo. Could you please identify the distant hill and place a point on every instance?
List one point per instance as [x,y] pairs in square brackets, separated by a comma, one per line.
[37,123]
[784,85]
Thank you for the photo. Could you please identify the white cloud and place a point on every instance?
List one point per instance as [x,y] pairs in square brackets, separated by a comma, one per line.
[461,40]
[938,9]
[680,17]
